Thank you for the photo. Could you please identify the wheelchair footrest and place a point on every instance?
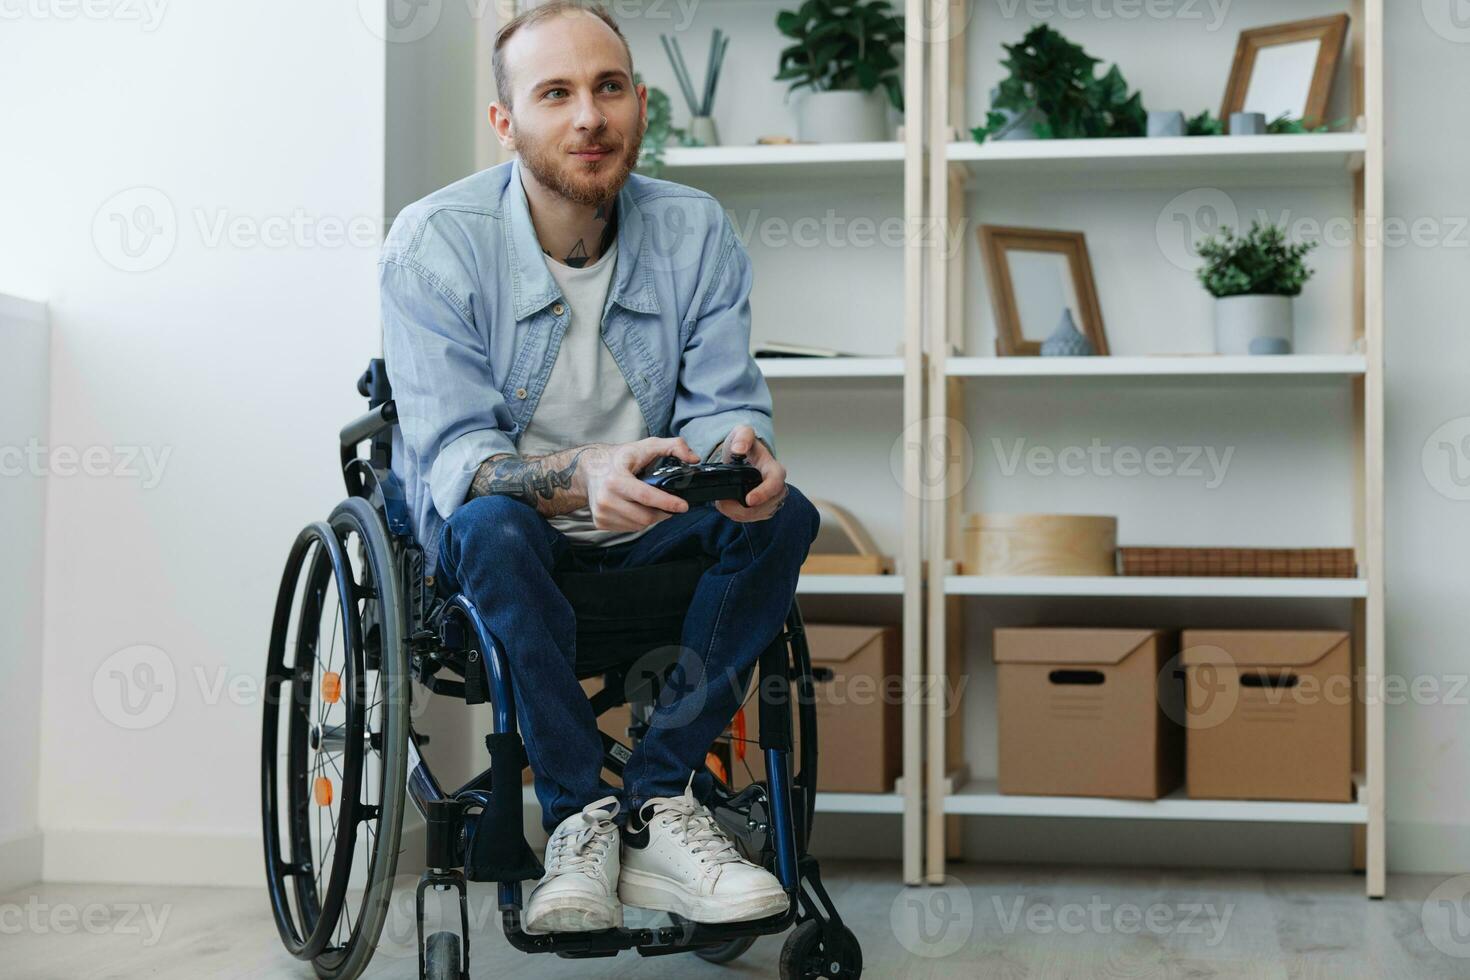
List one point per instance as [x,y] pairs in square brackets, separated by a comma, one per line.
[496,849]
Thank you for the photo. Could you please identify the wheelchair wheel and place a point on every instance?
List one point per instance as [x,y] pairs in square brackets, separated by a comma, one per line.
[809,953]
[334,742]
[442,956]
[726,952]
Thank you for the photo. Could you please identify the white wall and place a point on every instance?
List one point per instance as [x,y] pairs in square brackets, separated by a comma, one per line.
[23,402]
[231,362]
[1428,385]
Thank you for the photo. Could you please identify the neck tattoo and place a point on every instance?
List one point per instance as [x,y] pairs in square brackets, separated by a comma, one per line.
[577,257]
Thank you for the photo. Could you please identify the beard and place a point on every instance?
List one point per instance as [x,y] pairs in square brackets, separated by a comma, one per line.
[581,181]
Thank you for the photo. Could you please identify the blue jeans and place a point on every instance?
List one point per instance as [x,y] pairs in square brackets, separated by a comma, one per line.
[502,554]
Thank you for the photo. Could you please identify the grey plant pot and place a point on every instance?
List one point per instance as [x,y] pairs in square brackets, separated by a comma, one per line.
[1253,325]
[842,117]
[1247,124]
[1165,122]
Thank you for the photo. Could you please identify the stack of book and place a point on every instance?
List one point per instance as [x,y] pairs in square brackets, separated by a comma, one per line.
[1245,562]
[780,348]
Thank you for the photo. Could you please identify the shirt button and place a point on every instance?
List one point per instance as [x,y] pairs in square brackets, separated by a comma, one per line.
[520,393]
[558,309]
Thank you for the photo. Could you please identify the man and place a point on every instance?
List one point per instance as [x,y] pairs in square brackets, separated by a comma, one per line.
[552,326]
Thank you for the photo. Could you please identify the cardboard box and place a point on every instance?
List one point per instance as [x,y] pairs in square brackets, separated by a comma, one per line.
[1082,712]
[859,711]
[1269,714]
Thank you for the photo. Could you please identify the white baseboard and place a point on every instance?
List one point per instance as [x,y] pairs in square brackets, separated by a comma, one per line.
[20,861]
[153,857]
[173,858]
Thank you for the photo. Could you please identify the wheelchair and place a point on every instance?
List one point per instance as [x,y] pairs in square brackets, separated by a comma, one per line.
[360,633]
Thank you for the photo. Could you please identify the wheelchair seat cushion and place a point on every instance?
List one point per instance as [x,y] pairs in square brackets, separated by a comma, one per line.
[627,612]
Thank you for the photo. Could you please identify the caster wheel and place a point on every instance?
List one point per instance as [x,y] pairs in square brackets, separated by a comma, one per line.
[809,955]
[726,952]
[441,956]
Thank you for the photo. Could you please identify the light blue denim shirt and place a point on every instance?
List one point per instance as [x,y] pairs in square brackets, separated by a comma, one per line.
[473,319]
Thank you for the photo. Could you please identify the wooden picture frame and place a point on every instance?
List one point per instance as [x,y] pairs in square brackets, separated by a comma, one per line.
[1330,31]
[995,242]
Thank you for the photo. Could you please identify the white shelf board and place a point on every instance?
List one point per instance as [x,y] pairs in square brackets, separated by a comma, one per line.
[859,803]
[1162,366]
[983,798]
[831,367]
[1159,586]
[1303,158]
[823,161]
[849,585]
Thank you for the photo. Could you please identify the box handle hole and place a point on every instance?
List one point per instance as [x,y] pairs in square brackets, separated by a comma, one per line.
[1261,678]
[1086,677]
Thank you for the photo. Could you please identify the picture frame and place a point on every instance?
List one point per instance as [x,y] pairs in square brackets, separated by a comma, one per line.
[1279,57]
[1014,335]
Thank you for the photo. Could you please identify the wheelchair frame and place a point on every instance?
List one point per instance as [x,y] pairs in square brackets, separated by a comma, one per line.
[475,833]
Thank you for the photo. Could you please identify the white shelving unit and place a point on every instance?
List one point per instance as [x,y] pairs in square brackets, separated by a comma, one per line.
[859,300]
[1112,189]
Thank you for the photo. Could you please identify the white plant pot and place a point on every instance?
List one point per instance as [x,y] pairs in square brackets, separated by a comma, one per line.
[842,117]
[1253,325]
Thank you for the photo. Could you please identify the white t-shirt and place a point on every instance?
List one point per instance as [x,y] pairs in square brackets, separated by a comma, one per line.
[586,399]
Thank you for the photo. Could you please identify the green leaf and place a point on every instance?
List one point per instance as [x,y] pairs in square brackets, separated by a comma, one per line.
[842,46]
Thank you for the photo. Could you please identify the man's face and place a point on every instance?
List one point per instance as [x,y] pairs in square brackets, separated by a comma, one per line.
[578,120]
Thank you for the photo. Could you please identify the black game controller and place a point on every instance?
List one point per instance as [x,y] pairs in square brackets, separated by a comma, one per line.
[696,483]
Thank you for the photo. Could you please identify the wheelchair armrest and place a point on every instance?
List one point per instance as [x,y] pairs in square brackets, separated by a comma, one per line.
[366,426]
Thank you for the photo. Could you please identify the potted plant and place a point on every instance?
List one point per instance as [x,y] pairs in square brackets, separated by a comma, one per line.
[843,55]
[1253,278]
[1052,92]
[660,131]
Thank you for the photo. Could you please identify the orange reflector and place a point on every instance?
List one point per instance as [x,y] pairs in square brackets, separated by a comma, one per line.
[738,728]
[716,766]
[323,791]
[331,687]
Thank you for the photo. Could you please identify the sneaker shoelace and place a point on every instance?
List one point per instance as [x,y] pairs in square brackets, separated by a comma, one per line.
[582,849]
[695,825]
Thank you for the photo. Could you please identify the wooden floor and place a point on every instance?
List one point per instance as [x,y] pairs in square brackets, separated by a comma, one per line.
[990,923]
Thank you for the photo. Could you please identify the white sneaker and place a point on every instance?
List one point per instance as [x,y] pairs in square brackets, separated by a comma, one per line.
[579,890]
[681,861]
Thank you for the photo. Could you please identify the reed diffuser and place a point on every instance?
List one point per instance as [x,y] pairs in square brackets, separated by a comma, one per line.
[701,123]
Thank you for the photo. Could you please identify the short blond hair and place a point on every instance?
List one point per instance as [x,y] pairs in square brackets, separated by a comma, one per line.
[536,15]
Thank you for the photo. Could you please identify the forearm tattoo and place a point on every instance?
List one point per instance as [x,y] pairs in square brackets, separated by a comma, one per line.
[542,482]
